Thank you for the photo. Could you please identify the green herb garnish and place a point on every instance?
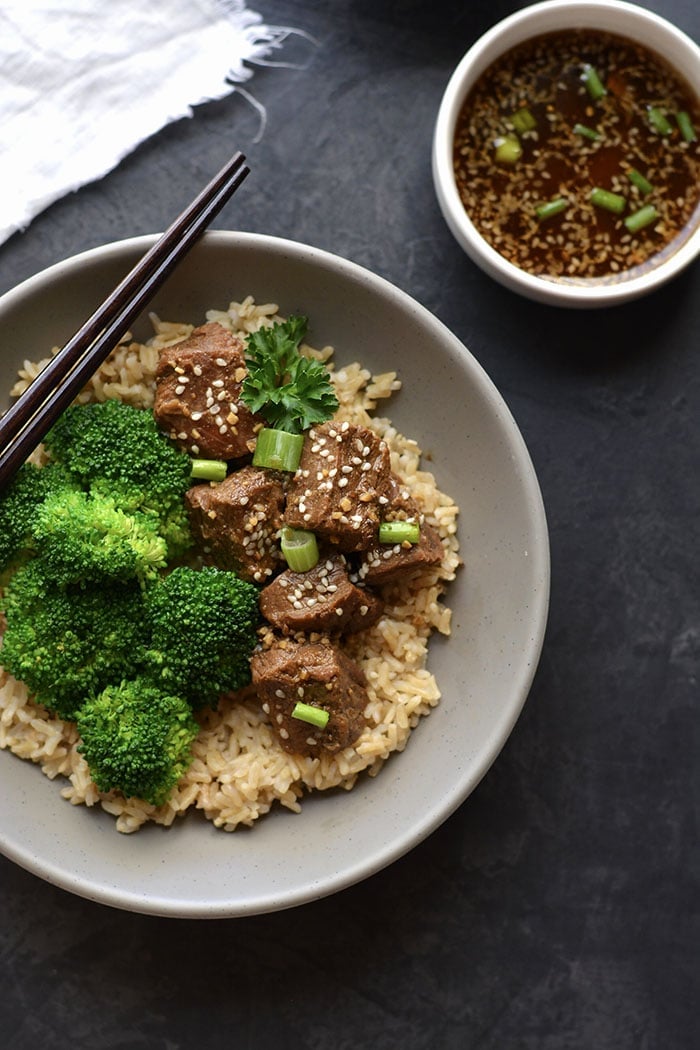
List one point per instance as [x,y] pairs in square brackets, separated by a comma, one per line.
[290,391]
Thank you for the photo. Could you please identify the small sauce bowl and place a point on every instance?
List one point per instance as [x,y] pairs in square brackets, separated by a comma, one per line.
[616,17]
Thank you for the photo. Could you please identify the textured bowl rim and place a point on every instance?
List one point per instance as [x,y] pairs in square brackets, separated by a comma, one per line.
[618,16]
[434,815]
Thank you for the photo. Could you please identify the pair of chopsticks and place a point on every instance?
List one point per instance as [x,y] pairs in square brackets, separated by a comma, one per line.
[27,421]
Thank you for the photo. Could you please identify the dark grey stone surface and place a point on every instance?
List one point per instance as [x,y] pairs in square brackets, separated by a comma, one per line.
[558,908]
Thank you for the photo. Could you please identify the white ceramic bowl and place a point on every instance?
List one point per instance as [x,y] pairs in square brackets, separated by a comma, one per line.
[499,600]
[613,16]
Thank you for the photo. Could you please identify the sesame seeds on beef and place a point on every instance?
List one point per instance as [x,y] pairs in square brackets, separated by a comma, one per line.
[342,490]
[382,563]
[197,402]
[337,491]
[386,563]
[323,600]
[316,674]
[237,522]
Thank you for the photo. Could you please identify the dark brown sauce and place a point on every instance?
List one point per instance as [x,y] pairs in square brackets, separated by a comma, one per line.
[584,241]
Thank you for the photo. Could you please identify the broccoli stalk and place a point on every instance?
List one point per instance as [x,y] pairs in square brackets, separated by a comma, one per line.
[137,739]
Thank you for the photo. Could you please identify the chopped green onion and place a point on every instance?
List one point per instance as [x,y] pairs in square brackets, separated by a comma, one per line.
[686,127]
[316,716]
[523,120]
[399,532]
[546,211]
[638,180]
[609,201]
[299,548]
[588,133]
[508,149]
[209,469]
[639,219]
[278,449]
[659,121]
[594,85]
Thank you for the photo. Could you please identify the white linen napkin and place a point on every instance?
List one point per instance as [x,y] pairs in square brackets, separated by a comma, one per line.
[82,84]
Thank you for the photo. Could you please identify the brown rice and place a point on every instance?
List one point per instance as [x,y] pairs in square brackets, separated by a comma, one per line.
[239,770]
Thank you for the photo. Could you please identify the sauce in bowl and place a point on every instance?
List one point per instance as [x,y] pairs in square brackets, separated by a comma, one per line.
[576,156]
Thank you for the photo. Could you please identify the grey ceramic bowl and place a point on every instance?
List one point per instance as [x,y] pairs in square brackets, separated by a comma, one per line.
[499,600]
[613,16]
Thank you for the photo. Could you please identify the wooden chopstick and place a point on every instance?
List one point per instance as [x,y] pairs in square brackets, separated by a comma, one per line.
[27,421]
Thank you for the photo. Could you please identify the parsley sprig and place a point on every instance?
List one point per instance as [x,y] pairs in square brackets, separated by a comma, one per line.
[290,391]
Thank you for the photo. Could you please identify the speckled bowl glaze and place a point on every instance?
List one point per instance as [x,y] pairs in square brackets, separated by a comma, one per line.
[499,600]
[614,16]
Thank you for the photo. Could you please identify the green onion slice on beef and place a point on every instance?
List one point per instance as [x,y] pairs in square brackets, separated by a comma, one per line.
[399,532]
[209,469]
[315,716]
[299,548]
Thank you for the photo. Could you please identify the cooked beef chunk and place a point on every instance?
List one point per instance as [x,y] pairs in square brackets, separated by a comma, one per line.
[323,599]
[338,490]
[384,563]
[316,674]
[198,385]
[237,521]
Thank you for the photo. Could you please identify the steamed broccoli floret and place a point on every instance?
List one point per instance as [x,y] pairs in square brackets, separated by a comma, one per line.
[118,450]
[86,536]
[97,628]
[202,624]
[137,738]
[66,643]
[18,508]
